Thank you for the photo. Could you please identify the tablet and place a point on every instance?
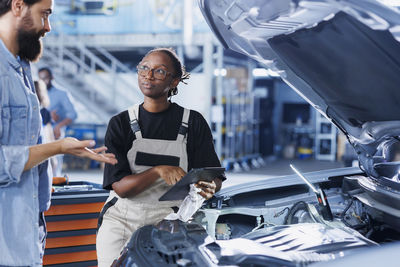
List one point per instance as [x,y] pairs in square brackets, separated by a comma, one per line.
[181,189]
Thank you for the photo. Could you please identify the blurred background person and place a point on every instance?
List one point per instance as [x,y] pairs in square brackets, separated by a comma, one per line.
[61,109]
[47,133]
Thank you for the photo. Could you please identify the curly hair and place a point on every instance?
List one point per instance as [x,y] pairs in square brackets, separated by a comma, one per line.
[180,71]
[5,5]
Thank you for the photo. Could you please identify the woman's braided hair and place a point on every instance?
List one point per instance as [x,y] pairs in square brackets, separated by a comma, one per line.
[180,71]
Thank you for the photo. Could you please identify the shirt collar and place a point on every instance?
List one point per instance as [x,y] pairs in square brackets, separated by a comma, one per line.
[5,53]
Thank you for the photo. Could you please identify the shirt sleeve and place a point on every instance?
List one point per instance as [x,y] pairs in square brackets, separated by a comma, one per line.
[12,158]
[69,107]
[201,152]
[116,142]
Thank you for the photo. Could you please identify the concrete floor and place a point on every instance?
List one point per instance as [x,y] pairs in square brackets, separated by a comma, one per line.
[272,168]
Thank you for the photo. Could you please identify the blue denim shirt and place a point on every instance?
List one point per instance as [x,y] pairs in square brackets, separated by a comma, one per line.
[20,124]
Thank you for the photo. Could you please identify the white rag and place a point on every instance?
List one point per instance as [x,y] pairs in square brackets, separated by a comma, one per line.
[189,205]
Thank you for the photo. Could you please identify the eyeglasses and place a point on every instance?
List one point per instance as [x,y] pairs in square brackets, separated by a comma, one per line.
[159,74]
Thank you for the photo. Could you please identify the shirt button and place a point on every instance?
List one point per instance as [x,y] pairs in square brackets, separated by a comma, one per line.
[33,136]
[34,195]
[34,108]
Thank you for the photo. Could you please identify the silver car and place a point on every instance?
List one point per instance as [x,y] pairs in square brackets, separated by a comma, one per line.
[343,57]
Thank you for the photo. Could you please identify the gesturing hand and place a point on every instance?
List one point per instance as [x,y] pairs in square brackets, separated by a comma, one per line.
[207,188]
[78,148]
[170,174]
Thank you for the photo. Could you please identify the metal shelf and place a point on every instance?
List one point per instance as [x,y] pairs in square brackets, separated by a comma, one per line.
[325,139]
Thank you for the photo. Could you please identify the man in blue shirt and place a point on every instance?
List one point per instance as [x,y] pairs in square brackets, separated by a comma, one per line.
[23,23]
[61,108]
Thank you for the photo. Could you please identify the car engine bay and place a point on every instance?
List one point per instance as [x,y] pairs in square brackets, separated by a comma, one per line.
[274,223]
[352,207]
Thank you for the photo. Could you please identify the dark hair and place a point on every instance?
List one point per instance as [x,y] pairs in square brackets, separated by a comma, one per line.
[180,71]
[46,69]
[5,5]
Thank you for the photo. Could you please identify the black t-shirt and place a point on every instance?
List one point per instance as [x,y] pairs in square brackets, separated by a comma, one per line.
[163,125]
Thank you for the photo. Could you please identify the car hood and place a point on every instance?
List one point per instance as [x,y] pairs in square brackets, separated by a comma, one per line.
[341,56]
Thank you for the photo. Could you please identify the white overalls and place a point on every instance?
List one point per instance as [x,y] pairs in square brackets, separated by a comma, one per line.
[123,216]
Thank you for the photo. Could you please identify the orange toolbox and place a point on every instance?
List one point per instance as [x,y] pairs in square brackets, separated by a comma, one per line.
[72,224]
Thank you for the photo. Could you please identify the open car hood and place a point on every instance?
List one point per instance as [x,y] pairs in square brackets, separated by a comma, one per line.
[341,56]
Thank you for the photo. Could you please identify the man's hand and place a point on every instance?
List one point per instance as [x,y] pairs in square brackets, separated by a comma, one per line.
[170,174]
[69,145]
[78,148]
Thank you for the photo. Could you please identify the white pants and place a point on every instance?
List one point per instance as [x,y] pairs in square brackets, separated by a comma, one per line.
[57,171]
[119,223]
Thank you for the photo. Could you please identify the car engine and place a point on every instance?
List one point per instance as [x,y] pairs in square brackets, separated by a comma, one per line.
[275,223]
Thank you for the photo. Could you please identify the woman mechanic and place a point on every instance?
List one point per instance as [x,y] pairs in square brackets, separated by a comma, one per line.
[155,143]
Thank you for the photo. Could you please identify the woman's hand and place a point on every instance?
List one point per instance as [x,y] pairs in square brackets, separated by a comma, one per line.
[170,174]
[207,188]
[78,148]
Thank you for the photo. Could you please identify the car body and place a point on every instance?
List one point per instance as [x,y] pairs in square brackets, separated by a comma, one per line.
[343,57]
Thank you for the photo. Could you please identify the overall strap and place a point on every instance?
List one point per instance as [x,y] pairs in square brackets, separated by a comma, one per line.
[133,120]
[184,125]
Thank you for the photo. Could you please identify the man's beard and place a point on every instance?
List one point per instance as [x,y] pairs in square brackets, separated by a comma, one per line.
[29,43]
